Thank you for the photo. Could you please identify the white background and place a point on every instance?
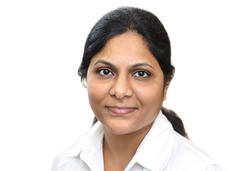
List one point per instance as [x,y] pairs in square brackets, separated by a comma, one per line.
[44,107]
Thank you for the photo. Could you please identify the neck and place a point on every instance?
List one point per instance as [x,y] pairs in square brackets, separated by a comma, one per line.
[121,148]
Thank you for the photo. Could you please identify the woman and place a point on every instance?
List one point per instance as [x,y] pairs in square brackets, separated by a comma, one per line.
[127,70]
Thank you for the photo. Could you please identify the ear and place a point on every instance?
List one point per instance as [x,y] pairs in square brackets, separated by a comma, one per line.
[165,90]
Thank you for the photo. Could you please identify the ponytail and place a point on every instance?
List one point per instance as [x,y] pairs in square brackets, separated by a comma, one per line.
[175,120]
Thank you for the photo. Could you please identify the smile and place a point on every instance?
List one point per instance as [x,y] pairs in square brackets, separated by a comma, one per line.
[121,110]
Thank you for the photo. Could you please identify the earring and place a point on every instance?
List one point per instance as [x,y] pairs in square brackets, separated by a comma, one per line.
[84,83]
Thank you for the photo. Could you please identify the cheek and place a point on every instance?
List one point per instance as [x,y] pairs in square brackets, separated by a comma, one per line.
[150,94]
[96,92]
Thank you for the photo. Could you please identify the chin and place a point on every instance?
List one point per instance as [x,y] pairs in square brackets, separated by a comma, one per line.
[119,127]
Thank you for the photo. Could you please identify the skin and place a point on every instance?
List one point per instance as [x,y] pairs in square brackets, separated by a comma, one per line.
[125,77]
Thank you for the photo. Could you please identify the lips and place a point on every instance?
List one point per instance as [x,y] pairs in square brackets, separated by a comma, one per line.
[121,110]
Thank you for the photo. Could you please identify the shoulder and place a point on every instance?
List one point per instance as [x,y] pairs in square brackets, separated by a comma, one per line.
[78,154]
[191,156]
[67,155]
[186,149]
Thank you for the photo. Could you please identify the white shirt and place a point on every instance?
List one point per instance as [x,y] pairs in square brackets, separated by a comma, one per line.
[162,149]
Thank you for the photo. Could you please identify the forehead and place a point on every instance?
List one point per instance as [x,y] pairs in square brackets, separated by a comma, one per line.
[128,48]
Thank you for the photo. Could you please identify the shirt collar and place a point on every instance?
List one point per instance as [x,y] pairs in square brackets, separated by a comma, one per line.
[156,148]
[153,153]
[89,148]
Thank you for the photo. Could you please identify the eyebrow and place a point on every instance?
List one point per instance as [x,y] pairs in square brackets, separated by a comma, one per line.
[142,64]
[104,62]
[132,66]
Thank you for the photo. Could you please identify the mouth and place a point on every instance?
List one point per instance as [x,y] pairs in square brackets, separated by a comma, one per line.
[120,111]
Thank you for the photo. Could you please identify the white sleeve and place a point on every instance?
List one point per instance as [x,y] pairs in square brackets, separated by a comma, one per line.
[214,167]
[55,164]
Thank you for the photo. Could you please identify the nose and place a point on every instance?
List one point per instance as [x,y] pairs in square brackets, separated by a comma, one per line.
[121,87]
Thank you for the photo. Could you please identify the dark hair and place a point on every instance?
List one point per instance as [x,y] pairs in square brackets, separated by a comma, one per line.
[152,30]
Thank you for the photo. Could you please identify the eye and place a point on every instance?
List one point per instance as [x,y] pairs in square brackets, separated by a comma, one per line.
[104,72]
[142,74]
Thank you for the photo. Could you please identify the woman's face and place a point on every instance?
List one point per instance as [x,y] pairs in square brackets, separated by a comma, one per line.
[125,85]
